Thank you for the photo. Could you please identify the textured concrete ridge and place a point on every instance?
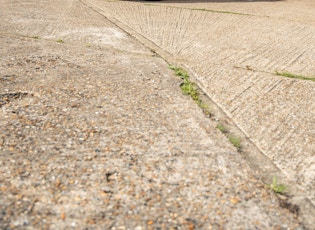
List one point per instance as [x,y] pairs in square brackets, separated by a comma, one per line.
[96,134]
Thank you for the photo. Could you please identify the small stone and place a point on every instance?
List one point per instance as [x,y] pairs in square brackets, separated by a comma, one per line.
[234,200]
[91,221]
[63,215]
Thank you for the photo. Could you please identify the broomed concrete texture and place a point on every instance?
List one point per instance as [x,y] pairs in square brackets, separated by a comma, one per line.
[96,134]
[234,50]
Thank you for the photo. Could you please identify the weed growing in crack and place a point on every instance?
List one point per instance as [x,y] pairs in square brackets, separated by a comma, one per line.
[222,128]
[189,88]
[205,108]
[294,76]
[236,141]
[277,188]
[179,72]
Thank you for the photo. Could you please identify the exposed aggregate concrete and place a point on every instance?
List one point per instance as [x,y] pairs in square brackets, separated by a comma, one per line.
[95,134]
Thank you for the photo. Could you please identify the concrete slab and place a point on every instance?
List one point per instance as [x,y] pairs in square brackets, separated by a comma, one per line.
[234,49]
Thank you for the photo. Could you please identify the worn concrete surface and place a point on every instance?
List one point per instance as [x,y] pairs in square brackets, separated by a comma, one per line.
[96,134]
[234,49]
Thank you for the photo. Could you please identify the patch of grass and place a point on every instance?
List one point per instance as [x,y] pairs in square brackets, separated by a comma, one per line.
[35,37]
[278,188]
[236,141]
[189,88]
[295,76]
[222,128]
[60,41]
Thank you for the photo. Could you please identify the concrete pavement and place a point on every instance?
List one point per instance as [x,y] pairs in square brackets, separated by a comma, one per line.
[96,134]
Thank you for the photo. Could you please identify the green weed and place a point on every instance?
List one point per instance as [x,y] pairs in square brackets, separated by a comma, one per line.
[295,76]
[277,188]
[179,72]
[236,141]
[190,88]
[222,128]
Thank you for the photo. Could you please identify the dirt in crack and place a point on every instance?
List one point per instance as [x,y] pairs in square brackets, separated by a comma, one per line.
[6,98]
[291,207]
[8,78]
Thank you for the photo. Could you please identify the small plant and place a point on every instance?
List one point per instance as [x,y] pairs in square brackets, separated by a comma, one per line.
[294,76]
[35,37]
[277,188]
[179,72]
[60,41]
[222,128]
[236,141]
[190,88]
[205,108]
